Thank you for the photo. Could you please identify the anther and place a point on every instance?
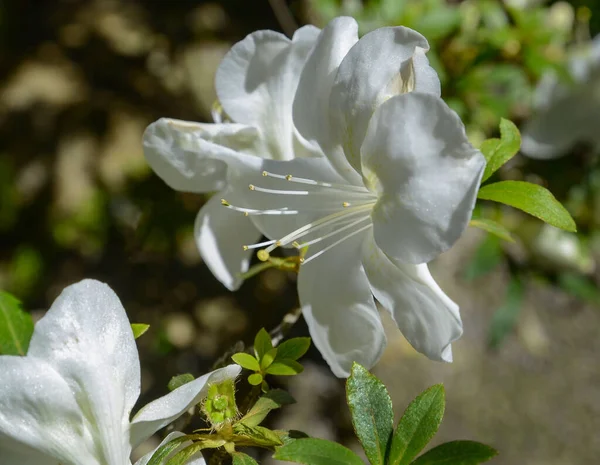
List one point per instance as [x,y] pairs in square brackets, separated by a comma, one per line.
[264,173]
[251,187]
[224,202]
[246,214]
[346,204]
[278,243]
[288,177]
[263,255]
[296,244]
[245,247]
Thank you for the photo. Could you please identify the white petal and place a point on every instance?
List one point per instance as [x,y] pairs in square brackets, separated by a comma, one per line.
[257,80]
[220,235]
[39,416]
[339,308]
[381,64]
[427,317]
[164,410]
[196,460]
[311,104]
[194,157]
[86,337]
[417,157]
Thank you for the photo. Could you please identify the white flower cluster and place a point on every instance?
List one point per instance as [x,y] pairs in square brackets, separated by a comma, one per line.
[343,149]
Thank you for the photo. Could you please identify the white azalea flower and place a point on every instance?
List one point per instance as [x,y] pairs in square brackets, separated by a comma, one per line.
[69,400]
[255,83]
[399,190]
[566,113]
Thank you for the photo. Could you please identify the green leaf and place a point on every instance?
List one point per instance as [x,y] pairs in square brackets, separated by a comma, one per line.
[246,361]
[16,326]
[285,368]
[179,380]
[262,343]
[240,458]
[181,457]
[259,436]
[267,359]
[139,329]
[487,257]
[531,198]
[293,348]
[164,451]
[493,227]
[418,425]
[457,453]
[271,400]
[372,414]
[255,379]
[580,287]
[505,318]
[311,451]
[499,151]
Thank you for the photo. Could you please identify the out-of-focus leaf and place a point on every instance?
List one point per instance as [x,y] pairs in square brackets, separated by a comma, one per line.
[493,227]
[179,380]
[311,451]
[372,414]
[505,318]
[418,425]
[500,151]
[580,287]
[457,453]
[487,257]
[16,326]
[531,198]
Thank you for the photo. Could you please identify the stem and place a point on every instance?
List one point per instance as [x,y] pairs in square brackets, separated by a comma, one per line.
[284,17]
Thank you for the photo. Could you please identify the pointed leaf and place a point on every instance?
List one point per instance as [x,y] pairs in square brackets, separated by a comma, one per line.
[498,152]
[139,329]
[418,425]
[164,451]
[16,326]
[246,361]
[270,401]
[181,457]
[493,227]
[240,458]
[457,453]
[267,359]
[179,380]
[531,198]
[259,436]
[311,451]
[293,348]
[285,368]
[262,343]
[372,414]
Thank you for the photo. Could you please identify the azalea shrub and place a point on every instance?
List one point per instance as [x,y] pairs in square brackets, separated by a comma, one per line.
[333,157]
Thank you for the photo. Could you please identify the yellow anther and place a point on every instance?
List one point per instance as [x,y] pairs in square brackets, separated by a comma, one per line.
[301,260]
[263,255]
[224,202]
[288,177]
[245,247]
[251,187]
[278,244]
[346,204]
[296,244]
[246,213]
[264,173]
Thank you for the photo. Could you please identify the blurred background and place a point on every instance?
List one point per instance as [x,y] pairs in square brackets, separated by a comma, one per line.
[79,82]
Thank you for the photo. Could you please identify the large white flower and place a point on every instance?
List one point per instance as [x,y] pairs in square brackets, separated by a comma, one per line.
[566,113]
[69,400]
[399,189]
[255,83]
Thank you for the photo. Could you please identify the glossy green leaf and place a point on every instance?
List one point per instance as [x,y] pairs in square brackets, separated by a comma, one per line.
[418,425]
[262,343]
[139,329]
[293,348]
[285,368]
[499,151]
[180,380]
[16,326]
[267,359]
[531,198]
[246,361]
[492,227]
[255,379]
[182,457]
[259,436]
[240,458]
[271,400]
[372,414]
[505,318]
[165,450]
[486,258]
[311,451]
[457,453]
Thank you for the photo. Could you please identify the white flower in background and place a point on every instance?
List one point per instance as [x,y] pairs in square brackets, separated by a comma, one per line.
[566,113]
[69,400]
[398,190]
[255,83]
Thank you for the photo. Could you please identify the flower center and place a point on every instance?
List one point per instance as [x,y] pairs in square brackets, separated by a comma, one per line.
[337,211]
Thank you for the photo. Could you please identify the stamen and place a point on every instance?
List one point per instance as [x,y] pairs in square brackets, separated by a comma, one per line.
[276,191]
[342,187]
[331,246]
[333,233]
[253,212]
[256,246]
